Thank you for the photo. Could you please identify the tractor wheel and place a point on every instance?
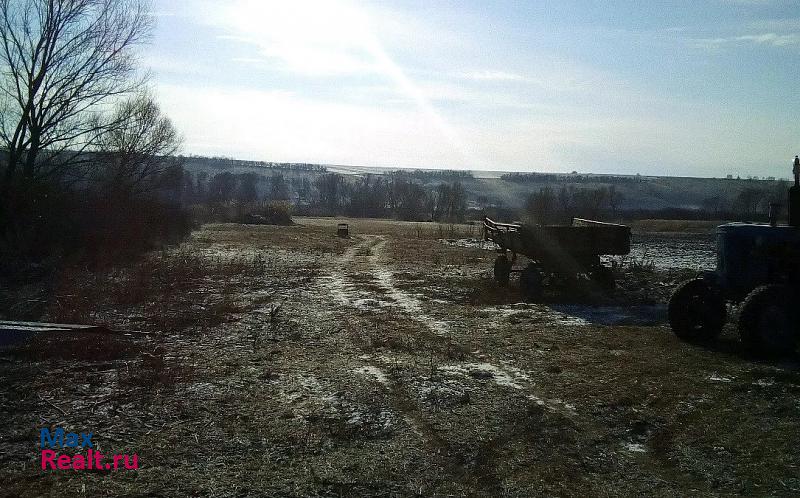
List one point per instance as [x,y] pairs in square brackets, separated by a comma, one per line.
[767,322]
[502,270]
[530,282]
[603,277]
[696,311]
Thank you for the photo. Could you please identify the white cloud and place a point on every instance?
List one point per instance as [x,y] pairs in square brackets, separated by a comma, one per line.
[309,37]
[772,39]
[285,127]
[371,87]
[495,76]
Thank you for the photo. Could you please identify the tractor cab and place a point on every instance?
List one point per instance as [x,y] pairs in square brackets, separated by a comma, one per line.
[754,254]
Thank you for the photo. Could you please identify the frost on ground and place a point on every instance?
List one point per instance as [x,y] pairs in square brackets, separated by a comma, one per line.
[312,402]
[509,377]
[374,372]
[328,367]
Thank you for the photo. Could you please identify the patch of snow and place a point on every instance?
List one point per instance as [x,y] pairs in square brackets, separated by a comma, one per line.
[409,303]
[688,252]
[719,378]
[553,405]
[536,313]
[508,378]
[375,372]
[635,447]
[470,243]
[369,304]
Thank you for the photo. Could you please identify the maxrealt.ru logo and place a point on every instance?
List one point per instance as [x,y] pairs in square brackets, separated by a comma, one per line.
[90,460]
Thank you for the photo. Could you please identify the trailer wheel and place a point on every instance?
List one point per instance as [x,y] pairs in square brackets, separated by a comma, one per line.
[502,270]
[603,277]
[767,322]
[696,311]
[530,282]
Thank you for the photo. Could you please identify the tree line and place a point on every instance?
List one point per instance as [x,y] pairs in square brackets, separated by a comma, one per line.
[559,205]
[573,177]
[329,194]
[221,162]
[549,205]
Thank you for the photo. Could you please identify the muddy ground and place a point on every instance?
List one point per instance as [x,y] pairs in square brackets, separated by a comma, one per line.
[285,361]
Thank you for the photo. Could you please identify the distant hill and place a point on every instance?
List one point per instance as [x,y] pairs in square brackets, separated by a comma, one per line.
[512,189]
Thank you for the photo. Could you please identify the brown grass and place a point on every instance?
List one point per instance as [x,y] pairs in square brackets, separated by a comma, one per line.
[212,413]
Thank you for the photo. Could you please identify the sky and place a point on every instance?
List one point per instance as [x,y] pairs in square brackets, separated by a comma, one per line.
[684,88]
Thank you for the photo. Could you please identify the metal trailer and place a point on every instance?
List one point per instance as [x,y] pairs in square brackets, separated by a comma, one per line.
[557,252]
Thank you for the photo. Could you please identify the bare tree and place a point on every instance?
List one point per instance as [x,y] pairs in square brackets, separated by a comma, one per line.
[63,63]
[279,189]
[541,206]
[136,151]
[615,198]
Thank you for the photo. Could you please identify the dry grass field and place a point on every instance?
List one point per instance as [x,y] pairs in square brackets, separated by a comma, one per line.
[286,361]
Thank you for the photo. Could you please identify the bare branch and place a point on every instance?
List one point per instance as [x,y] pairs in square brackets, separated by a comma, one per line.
[63,62]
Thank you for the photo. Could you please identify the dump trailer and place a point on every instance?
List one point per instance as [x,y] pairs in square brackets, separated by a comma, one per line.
[556,252]
[758,269]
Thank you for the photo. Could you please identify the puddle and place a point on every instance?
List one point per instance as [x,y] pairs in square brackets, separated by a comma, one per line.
[615,315]
[579,315]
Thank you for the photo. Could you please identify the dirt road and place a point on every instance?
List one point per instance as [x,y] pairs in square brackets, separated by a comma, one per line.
[391,364]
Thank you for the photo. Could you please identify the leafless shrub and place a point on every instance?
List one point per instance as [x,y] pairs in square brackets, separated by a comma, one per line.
[154,370]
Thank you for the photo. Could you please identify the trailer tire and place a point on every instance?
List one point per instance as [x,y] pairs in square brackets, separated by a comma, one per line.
[530,282]
[603,277]
[502,270]
[696,311]
[767,322]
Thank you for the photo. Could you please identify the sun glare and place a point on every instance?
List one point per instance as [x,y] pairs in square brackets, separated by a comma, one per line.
[327,38]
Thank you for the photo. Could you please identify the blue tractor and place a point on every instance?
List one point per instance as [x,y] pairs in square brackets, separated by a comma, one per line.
[758,267]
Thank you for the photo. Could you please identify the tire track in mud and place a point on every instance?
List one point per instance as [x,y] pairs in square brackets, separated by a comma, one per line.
[401,399]
[404,300]
[348,287]
[372,247]
[348,293]
[336,283]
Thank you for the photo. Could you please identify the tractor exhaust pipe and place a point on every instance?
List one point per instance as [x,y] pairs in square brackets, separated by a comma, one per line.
[794,195]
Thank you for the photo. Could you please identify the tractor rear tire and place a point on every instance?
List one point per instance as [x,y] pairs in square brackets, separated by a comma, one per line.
[768,322]
[530,282]
[696,311]
[502,270]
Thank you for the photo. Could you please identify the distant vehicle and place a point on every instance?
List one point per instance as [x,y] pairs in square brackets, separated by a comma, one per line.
[556,252]
[758,266]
